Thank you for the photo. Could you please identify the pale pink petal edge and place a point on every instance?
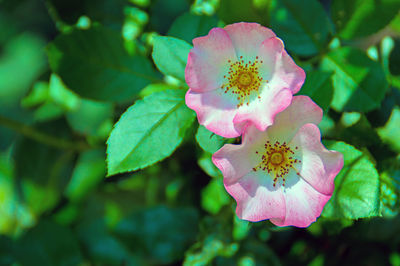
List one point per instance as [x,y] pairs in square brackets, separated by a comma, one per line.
[320,177]
[265,115]
[223,126]
[295,215]
[197,75]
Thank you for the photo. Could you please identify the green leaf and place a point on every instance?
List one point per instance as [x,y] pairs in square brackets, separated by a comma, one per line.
[170,56]
[393,54]
[214,196]
[94,64]
[102,246]
[389,195]
[48,111]
[14,215]
[261,254]
[38,95]
[360,18]
[241,228]
[231,11]
[387,46]
[163,13]
[209,141]
[290,19]
[207,8]
[148,131]
[42,173]
[61,95]
[205,253]
[395,258]
[89,117]
[8,27]
[89,171]
[359,134]
[48,244]
[349,119]
[359,82]
[52,103]
[22,61]
[327,125]
[390,133]
[67,214]
[6,251]
[155,87]
[356,193]
[55,97]
[189,26]
[162,233]
[318,86]
[208,166]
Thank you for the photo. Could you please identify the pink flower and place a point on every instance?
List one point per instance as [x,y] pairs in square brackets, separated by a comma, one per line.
[236,73]
[283,173]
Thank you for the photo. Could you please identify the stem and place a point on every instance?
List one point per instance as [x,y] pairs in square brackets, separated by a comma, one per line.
[41,137]
[60,25]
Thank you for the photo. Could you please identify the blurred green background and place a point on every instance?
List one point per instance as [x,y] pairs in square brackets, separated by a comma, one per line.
[69,69]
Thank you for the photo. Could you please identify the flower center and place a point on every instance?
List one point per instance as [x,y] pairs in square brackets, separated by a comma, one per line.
[243,80]
[277,159]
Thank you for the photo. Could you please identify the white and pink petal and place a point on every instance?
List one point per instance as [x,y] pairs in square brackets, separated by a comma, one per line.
[278,67]
[208,61]
[301,111]
[257,199]
[303,204]
[261,112]
[235,161]
[319,165]
[215,111]
[247,38]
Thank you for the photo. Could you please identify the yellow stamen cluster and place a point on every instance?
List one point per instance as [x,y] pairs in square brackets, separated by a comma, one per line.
[277,160]
[243,80]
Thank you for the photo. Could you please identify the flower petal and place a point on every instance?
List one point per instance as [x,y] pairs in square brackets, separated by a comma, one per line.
[235,161]
[278,67]
[303,203]
[256,197]
[261,112]
[301,111]
[208,61]
[247,38]
[284,78]
[319,165]
[215,110]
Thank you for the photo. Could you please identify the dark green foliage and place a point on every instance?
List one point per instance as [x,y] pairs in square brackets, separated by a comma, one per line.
[161,233]
[163,13]
[231,11]
[188,26]
[48,244]
[94,64]
[319,87]
[6,250]
[360,18]
[360,83]
[303,25]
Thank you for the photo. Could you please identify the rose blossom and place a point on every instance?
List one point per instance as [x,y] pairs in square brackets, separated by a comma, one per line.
[237,73]
[283,173]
